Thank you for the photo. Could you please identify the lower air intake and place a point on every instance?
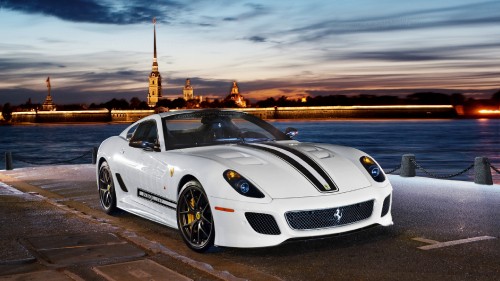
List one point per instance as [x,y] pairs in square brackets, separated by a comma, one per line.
[263,223]
[326,218]
[386,205]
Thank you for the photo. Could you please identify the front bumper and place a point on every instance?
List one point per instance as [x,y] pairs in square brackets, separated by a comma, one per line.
[233,229]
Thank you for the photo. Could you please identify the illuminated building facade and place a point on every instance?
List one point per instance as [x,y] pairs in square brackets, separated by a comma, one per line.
[154,93]
[188,92]
[236,96]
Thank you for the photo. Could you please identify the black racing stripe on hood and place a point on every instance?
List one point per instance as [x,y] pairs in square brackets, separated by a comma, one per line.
[289,160]
[311,162]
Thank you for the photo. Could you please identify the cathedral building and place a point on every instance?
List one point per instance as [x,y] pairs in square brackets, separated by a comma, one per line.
[236,96]
[154,93]
[188,92]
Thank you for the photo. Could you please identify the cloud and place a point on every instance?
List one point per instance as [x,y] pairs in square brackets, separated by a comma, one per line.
[252,11]
[395,56]
[466,53]
[240,13]
[17,66]
[256,10]
[21,95]
[96,11]
[257,39]
[455,16]
[118,77]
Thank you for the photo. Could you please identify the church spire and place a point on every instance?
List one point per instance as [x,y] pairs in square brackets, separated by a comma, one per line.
[154,92]
[155,61]
[48,84]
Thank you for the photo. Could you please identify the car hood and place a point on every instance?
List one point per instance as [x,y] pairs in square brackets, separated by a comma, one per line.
[292,169]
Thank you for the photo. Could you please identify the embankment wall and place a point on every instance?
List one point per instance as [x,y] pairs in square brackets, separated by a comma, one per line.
[324,112]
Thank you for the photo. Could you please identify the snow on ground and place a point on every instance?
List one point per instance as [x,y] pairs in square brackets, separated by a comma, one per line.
[426,183]
[425,190]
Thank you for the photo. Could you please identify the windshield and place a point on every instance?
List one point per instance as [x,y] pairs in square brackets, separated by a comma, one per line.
[211,127]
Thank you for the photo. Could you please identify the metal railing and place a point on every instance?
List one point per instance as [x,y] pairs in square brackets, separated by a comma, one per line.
[9,159]
[481,165]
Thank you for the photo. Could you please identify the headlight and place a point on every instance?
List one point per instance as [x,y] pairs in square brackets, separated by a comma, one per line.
[373,169]
[242,185]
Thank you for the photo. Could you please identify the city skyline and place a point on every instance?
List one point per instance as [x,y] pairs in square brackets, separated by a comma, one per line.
[98,50]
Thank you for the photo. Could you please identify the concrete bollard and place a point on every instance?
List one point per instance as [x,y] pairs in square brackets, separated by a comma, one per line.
[94,155]
[482,171]
[8,161]
[407,166]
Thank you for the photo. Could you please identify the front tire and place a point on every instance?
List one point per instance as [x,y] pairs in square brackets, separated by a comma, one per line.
[194,217]
[107,195]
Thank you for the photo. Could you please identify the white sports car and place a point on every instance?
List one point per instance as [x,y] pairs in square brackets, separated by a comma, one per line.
[228,178]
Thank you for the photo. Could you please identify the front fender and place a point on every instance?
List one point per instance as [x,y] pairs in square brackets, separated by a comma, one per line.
[209,173]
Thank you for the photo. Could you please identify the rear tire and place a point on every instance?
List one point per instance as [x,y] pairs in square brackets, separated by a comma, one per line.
[106,188]
[194,217]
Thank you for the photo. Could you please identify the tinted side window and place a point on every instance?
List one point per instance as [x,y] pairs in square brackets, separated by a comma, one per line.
[146,131]
[131,132]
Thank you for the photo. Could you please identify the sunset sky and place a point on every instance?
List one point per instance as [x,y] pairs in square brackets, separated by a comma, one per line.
[96,50]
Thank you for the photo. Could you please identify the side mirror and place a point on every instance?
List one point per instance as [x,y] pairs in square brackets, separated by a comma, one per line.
[291,132]
[148,146]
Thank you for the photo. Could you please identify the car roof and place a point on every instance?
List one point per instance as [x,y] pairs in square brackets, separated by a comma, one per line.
[183,111]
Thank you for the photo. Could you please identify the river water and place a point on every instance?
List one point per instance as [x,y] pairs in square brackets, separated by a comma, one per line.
[441,146]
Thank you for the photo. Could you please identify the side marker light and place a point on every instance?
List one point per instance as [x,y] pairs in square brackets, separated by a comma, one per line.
[222,209]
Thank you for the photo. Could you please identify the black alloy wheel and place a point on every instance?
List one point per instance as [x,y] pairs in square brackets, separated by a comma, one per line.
[107,195]
[194,217]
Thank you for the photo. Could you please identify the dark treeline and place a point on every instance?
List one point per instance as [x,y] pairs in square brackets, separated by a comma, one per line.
[423,98]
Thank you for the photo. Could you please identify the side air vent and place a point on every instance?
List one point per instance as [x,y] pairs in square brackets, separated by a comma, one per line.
[121,183]
[386,205]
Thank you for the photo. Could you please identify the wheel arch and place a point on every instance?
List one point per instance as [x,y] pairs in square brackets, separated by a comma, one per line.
[98,167]
[101,160]
[183,181]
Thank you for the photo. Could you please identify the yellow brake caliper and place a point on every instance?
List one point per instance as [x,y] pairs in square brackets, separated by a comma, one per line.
[190,216]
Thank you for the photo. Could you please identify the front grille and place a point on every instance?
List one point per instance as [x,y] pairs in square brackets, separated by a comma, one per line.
[386,205]
[263,223]
[325,218]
